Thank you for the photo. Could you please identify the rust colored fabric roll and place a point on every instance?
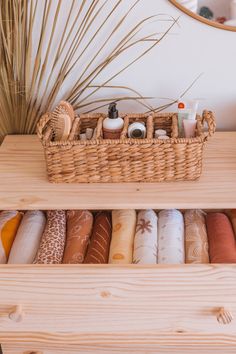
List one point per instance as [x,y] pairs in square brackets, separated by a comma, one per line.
[98,249]
[222,246]
[232,215]
[52,243]
[79,229]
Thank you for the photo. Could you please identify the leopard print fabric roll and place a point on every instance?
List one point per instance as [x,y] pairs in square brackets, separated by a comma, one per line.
[52,244]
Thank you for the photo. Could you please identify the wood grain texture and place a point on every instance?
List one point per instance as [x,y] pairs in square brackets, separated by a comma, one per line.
[24,185]
[130,303]
[41,343]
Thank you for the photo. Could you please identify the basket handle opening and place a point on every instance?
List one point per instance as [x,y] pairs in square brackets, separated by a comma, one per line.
[209,118]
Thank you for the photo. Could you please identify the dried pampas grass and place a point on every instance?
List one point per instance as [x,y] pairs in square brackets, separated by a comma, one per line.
[47,45]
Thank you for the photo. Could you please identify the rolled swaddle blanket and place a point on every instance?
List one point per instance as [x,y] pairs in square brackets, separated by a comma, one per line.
[9,223]
[170,237]
[79,229]
[98,248]
[27,240]
[52,243]
[222,246]
[145,240]
[232,216]
[196,242]
[123,231]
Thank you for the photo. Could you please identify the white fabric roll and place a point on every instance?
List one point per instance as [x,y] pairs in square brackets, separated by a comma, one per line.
[145,241]
[27,240]
[171,237]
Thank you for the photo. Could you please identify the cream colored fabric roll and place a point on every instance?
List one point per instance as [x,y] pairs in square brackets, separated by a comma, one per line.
[123,230]
[145,241]
[27,240]
[170,237]
[196,242]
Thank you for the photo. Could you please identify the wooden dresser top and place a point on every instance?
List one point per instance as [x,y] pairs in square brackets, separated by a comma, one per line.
[24,185]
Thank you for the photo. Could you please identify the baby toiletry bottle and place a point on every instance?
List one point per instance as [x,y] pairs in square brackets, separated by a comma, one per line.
[113,124]
[183,113]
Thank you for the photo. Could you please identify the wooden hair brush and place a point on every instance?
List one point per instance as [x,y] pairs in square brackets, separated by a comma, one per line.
[61,121]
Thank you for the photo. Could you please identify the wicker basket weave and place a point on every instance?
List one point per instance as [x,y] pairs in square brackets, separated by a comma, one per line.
[125,159]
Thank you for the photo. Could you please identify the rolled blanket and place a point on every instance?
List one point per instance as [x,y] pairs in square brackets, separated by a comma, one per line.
[123,230]
[232,215]
[79,229]
[52,243]
[98,248]
[9,223]
[170,237]
[27,240]
[145,240]
[196,242]
[222,247]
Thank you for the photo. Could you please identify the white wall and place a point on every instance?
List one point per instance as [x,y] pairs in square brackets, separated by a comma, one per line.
[189,50]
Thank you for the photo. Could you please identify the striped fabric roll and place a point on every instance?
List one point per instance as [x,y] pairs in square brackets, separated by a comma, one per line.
[98,248]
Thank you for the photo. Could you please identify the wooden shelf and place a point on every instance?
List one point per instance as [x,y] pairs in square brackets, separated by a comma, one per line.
[24,185]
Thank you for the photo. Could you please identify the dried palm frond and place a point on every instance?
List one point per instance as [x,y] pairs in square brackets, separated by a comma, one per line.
[47,46]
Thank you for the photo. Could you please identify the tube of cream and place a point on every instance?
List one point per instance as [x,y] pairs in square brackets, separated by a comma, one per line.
[183,113]
[189,127]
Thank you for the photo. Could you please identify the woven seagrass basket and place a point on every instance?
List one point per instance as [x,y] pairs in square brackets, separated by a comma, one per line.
[125,159]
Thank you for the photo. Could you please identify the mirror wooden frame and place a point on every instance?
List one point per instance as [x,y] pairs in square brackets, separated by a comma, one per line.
[202,19]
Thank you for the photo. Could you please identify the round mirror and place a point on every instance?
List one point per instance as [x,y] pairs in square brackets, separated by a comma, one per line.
[217,13]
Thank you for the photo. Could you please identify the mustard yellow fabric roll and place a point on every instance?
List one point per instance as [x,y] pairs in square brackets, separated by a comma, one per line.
[196,241]
[9,223]
[123,231]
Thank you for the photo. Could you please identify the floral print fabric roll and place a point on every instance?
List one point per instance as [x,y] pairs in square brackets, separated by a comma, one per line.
[27,241]
[170,237]
[9,223]
[222,246]
[196,242]
[123,230]
[79,229]
[52,244]
[145,241]
[98,248]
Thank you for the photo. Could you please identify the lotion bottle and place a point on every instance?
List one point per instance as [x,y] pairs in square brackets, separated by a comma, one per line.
[113,124]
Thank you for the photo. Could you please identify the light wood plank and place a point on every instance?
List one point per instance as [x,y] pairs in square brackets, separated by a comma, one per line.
[24,185]
[41,343]
[125,301]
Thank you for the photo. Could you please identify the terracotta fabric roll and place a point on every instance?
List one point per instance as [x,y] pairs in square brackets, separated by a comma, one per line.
[196,242]
[232,215]
[222,246]
[123,231]
[52,244]
[145,240]
[170,237]
[27,240]
[9,223]
[98,248]
[79,229]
